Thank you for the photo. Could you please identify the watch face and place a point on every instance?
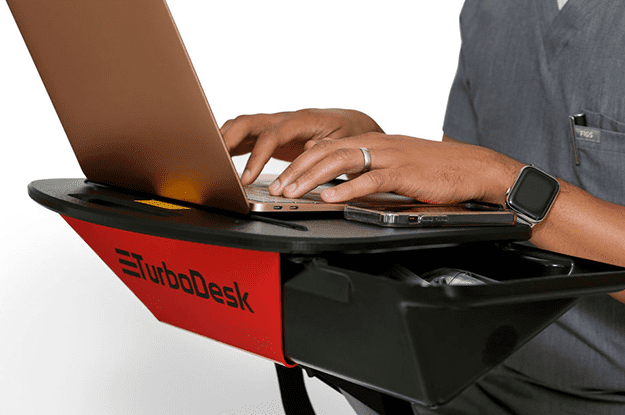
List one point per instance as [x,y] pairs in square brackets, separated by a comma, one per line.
[533,193]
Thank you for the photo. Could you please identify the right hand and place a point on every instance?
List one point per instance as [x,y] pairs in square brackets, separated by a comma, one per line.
[286,135]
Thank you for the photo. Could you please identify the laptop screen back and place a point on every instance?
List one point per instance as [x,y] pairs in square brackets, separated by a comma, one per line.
[129,99]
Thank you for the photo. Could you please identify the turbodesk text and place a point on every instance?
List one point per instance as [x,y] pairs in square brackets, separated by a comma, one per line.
[193,283]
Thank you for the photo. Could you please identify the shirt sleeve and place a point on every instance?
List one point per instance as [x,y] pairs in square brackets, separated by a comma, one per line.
[460,117]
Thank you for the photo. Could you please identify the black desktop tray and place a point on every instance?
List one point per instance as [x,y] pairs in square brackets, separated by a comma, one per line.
[296,233]
[343,314]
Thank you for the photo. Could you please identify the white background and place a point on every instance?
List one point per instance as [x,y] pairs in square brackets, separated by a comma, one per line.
[73,339]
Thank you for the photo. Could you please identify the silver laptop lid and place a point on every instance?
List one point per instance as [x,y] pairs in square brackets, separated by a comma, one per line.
[129,99]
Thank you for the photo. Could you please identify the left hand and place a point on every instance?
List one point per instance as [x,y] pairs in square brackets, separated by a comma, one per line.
[428,171]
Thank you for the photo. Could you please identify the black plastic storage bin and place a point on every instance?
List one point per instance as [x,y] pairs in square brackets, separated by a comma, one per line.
[343,314]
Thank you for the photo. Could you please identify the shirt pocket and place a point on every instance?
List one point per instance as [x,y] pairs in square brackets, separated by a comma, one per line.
[601,148]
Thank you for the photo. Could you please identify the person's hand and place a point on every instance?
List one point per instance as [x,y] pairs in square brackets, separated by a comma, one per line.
[427,171]
[285,135]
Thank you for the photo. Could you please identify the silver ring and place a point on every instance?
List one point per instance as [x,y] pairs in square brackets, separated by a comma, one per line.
[367,154]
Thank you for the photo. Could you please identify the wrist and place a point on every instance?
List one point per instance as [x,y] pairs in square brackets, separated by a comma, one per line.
[500,177]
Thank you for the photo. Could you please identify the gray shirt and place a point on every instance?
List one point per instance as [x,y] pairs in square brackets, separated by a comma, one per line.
[524,67]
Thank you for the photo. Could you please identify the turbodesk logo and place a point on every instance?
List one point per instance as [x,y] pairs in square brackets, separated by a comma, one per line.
[194,283]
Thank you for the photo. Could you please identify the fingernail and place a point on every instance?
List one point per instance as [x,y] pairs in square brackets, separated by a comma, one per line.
[274,185]
[290,188]
[245,176]
[329,194]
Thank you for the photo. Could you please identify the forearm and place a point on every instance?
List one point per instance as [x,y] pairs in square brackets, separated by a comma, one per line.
[578,224]
[581,225]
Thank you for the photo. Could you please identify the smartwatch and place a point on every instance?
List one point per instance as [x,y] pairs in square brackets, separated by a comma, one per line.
[532,195]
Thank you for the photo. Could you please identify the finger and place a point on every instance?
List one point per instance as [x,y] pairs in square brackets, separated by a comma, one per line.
[311,143]
[337,162]
[263,148]
[238,133]
[304,162]
[234,132]
[226,126]
[288,130]
[375,181]
[322,149]
[286,140]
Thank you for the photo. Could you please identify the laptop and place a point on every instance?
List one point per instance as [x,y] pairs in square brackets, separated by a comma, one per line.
[131,104]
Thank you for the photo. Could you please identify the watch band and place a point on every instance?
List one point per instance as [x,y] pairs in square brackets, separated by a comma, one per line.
[525,220]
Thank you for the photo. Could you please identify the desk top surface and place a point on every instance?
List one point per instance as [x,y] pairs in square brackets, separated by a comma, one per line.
[296,233]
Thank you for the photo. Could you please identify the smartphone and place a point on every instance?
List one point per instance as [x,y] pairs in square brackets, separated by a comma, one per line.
[425,215]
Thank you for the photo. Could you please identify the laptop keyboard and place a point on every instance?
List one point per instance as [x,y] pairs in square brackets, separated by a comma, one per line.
[260,193]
